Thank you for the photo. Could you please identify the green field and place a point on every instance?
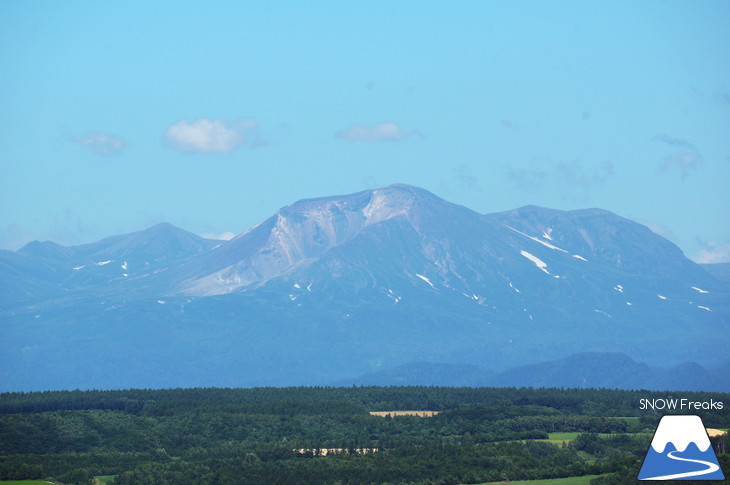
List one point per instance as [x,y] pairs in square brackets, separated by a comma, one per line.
[585,480]
[560,438]
[564,438]
[25,482]
[103,480]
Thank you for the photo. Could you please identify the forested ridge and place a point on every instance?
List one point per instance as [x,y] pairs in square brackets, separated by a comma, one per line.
[276,435]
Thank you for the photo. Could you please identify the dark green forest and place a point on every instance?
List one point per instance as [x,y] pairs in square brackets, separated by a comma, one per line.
[280,435]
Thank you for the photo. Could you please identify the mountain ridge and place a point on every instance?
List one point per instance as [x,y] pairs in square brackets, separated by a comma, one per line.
[586,369]
[334,287]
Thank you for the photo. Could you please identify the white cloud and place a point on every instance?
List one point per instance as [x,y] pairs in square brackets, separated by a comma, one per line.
[713,253]
[208,136]
[388,131]
[224,236]
[101,143]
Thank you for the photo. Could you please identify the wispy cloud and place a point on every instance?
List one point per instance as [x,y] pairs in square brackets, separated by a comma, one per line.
[528,179]
[683,161]
[574,180]
[104,144]
[723,95]
[381,132]
[206,135]
[713,252]
[224,236]
[657,228]
[674,141]
[13,236]
[575,174]
[64,227]
[466,180]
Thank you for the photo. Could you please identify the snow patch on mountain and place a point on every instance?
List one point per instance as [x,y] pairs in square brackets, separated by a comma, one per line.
[425,279]
[393,296]
[546,244]
[542,265]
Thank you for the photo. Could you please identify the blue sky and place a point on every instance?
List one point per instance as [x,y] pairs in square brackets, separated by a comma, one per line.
[115,116]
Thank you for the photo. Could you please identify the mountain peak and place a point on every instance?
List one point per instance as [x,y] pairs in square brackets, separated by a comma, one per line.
[400,188]
[161,242]
[163,227]
[46,249]
[353,212]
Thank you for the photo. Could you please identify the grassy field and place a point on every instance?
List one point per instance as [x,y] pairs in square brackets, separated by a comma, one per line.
[563,436]
[585,480]
[98,480]
[560,438]
[102,480]
[25,482]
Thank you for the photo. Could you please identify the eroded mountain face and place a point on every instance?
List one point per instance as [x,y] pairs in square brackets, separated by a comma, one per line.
[337,286]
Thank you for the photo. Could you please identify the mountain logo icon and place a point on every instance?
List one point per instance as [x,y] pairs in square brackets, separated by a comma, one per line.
[680,450]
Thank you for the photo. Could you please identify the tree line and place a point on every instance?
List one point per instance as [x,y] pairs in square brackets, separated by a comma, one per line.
[255,435]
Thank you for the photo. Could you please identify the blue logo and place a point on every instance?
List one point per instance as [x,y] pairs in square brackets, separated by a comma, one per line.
[680,450]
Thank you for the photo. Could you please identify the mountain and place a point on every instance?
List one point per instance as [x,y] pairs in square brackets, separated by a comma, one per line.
[721,271]
[587,369]
[331,288]
[42,271]
[423,374]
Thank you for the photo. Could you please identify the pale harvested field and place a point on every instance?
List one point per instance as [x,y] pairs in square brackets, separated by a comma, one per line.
[712,432]
[422,414]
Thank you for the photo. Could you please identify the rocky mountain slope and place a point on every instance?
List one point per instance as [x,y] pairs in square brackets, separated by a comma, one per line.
[336,287]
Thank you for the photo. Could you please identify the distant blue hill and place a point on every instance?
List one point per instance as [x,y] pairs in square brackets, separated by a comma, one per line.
[598,370]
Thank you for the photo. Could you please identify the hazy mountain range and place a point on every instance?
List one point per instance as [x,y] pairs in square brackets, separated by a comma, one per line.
[381,283]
